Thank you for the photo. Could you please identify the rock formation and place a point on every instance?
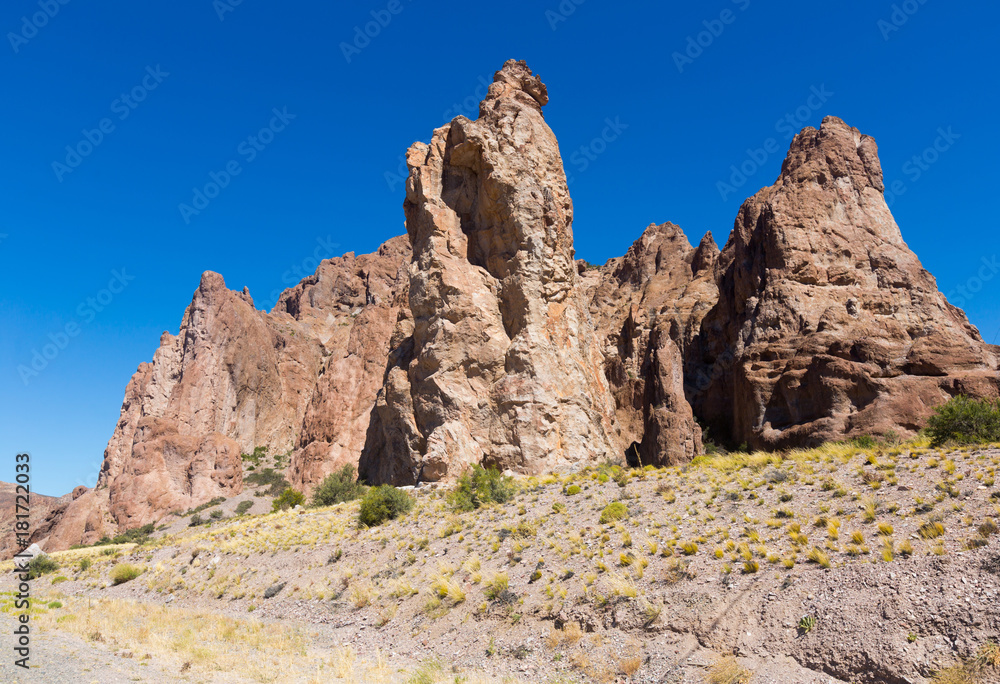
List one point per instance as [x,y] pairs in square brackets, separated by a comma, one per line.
[648,307]
[300,379]
[827,326]
[477,338]
[41,510]
[354,301]
[496,361]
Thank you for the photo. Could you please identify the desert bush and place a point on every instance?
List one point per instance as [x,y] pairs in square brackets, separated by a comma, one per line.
[339,487]
[208,504]
[268,477]
[254,458]
[125,572]
[243,507]
[84,564]
[215,514]
[965,421]
[613,512]
[42,564]
[288,499]
[480,486]
[383,503]
[195,520]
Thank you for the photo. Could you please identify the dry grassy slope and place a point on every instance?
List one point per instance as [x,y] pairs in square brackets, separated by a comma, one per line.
[712,559]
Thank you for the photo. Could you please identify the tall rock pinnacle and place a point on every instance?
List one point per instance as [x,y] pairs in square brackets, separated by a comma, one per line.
[496,361]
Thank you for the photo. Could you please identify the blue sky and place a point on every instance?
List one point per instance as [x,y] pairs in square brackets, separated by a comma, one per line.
[653,107]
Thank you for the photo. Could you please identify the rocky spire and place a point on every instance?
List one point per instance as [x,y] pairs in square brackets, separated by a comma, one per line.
[827,325]
[496,361]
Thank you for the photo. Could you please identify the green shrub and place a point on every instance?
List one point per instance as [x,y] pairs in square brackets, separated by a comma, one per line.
[84,564]
[383,503]
[480,486]
[55,604]
[572,490]
[965,421]
[195,520]
[271,478]
[254,458]
[215,514]
[243,507]
[613,512]
[338,487]
[126,572]
[208,504]
[42,564]
[288,499]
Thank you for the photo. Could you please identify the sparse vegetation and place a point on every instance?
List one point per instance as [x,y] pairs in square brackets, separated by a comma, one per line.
[728,671]
[125,572]
[270,478]
[289,498]
[42,564]
[383,503]
[480,486]
[339,487]
[965,421]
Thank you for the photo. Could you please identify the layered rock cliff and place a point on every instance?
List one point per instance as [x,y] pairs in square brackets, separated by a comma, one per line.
[827,326]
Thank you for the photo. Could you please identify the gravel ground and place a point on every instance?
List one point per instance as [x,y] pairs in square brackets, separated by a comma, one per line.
[58,658]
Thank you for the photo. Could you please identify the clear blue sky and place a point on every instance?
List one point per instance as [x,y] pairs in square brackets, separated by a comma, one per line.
[327,175]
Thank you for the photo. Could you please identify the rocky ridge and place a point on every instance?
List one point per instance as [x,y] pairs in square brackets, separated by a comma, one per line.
[477,337]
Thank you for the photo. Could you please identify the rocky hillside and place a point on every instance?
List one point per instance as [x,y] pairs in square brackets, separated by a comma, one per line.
[478,338]
[827,566]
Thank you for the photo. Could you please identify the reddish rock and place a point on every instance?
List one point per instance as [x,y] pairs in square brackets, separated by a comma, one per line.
[827,325]
[495,360]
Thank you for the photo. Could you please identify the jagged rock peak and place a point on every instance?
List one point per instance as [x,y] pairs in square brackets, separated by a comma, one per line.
[515,81]
[835,151]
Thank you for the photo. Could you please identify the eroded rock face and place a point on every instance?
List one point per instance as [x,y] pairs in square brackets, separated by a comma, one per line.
[232,379]
[647,307]
[354,302]
[827,325]
[495,361]
[300,379]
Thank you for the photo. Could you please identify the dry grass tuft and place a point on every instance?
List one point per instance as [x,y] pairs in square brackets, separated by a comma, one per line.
[728,671]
